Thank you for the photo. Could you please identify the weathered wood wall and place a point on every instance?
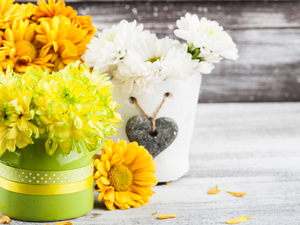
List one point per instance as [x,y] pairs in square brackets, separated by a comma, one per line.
[267,34]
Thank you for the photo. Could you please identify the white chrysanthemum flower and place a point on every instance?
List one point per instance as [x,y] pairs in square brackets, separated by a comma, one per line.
[152,60]
[105,51]
[205,65]
[206,35]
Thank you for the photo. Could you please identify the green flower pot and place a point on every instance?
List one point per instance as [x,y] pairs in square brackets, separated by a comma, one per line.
[35,167]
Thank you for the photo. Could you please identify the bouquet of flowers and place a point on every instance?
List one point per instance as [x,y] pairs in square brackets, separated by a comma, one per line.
[138,60]
[67,106]
[47,36]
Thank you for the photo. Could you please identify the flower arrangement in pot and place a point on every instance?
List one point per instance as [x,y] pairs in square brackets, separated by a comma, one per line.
[55,114]
[52,125]
[158,82]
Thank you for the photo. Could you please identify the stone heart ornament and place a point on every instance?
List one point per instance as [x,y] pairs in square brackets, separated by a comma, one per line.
[139,129]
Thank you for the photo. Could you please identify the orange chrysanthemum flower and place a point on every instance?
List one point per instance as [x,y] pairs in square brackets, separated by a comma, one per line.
[48,36]
[18,47]
[52,9]
[124,174]
[10,12]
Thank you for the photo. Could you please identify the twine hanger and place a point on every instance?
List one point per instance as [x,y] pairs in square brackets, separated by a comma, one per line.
[151,118]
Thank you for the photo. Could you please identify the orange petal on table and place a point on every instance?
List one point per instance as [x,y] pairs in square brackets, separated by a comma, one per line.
[214,191]
[237,194]
[239,220]
[166,216]
[4,219]
[64,223]
[154,213]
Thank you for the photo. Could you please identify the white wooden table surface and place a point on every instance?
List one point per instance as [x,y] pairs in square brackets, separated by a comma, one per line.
[242,147]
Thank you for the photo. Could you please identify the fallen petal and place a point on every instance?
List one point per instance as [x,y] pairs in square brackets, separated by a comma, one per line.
[64,223]
[4,219]
[166,216]
[239,220]
[237,194]
[154,213]
[214,191]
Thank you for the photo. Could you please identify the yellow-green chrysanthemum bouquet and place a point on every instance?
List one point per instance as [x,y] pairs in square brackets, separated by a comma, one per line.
[51,126]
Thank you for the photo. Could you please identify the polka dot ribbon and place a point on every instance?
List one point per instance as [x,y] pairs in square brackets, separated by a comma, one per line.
[45,177]
[46,182]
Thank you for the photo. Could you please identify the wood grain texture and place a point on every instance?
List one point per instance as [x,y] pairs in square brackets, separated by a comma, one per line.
[266,34]
[242,147]
[72,1]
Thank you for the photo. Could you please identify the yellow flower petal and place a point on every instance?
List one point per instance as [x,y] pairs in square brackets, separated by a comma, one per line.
[239,220]
[115,159]
[241,194]
[78,123]
[101,196]
[101,167]
[100,184]
[154,213]
[104,180]
[110,195]
[120,198]
[214,191]
[107,164]
[4,219]
[97,175]
[22,124]
[166,216]
[64,223]
[110,205]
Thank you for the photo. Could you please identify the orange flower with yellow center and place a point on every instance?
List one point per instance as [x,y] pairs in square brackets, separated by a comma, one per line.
[124,174]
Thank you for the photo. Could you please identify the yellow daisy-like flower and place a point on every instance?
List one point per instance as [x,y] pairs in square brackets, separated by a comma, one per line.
[15,113]
[124,174]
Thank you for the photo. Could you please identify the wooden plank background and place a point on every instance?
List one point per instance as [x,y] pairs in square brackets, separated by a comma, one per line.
[267,34]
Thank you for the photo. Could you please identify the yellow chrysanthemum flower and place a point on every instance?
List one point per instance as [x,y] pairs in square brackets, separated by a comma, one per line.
[124,174]
[15,113]
[69,108]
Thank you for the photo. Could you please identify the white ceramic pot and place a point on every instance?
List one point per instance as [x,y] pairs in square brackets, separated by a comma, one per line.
[173,162]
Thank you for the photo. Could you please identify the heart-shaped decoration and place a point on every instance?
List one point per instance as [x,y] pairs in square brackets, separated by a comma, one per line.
[138,128]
